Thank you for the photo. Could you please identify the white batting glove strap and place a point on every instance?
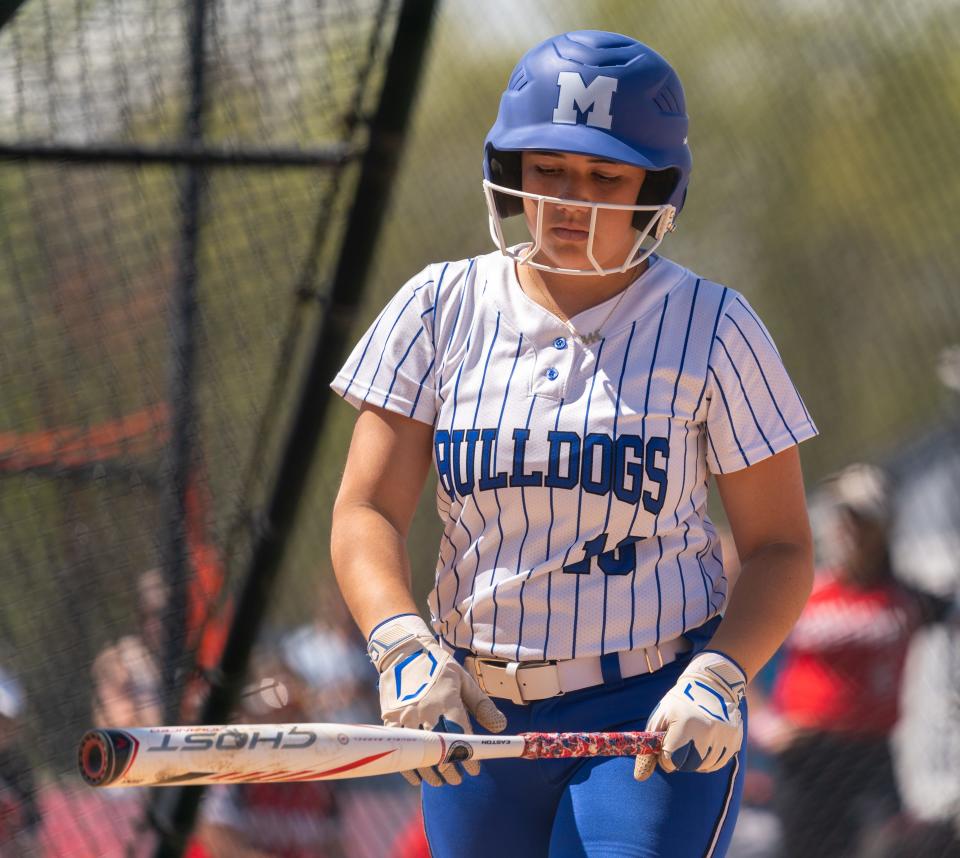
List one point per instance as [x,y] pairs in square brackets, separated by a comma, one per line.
[387,636]
[701,715]
[423,687]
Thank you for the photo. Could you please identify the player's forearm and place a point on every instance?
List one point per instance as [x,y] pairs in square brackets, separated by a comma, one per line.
[770,593]
[371,564]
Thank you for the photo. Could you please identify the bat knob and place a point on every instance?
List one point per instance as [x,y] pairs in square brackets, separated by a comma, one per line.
[103,754]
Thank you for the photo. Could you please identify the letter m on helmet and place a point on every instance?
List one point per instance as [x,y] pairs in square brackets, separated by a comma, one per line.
[592,101]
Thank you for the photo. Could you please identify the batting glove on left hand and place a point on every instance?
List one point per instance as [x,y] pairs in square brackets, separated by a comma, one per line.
[422,686]
[701,715]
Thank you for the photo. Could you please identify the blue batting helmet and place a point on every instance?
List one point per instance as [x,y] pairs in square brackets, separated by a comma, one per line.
[593,93]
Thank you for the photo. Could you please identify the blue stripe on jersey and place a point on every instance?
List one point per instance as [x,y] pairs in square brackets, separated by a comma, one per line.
[486,364]
[423,380]
[683,480]
[713,338]
[456,319]
[752,315]
[586,418]
[646,395]
[643,446]
[446,623]
[526,531]
[433,598]
[436,305]
[683,585]
[656,572]
[714,449]
[363,354]
[763,375]
[437,317]
[704,576]
[556,426]
[428,370]
[546,637]
[746,396]
[396,321]
[396,369]
[673,407]
[606,520]
[713,554]
[461,518]
[496,559]
[483,518]
[726,405]
[683,354]
[773,345]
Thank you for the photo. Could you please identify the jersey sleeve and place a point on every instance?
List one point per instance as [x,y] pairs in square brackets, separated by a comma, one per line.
[754,411]
[393,364]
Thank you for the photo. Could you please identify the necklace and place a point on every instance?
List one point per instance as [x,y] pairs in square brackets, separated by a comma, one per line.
[590,337]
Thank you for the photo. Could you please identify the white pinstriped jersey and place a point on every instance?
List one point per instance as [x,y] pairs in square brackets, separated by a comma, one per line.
[572,478]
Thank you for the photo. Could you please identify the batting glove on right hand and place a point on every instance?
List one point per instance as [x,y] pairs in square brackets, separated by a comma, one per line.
[423,687]
[701,715]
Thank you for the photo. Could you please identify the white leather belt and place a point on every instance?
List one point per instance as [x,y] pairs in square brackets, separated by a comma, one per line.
[525,681]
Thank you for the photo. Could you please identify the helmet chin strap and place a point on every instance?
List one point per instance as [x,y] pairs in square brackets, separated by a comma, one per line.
[660,224]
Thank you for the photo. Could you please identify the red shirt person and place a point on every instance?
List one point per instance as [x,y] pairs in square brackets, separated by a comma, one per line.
[845,657]
[835,700]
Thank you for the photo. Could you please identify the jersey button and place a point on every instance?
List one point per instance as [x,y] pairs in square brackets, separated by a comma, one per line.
[552,374]
[560,343]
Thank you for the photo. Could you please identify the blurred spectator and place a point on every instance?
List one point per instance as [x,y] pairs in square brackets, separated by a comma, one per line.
[927,739]
[835,700]
[926,550]
[19,813]
[126,674]
[280,820]
[330,655]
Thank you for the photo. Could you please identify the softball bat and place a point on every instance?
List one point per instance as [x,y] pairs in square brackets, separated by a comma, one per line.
[265,753]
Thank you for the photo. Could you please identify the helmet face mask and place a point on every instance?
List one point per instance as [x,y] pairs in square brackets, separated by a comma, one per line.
[658,222]
[597,94]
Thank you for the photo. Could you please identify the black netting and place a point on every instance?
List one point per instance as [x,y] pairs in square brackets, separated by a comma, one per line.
[140,419]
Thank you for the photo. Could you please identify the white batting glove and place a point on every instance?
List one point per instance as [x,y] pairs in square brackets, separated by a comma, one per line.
[701,715]
[423,687]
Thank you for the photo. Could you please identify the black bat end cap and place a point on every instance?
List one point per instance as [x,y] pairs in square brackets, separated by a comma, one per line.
[95,757]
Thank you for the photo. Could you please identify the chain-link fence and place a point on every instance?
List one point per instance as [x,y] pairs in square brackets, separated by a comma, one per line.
[825,187]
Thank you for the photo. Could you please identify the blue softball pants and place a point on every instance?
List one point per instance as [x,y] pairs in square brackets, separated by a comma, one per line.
[586,807]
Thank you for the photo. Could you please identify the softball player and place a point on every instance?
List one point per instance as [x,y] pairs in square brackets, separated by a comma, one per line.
[574,394]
